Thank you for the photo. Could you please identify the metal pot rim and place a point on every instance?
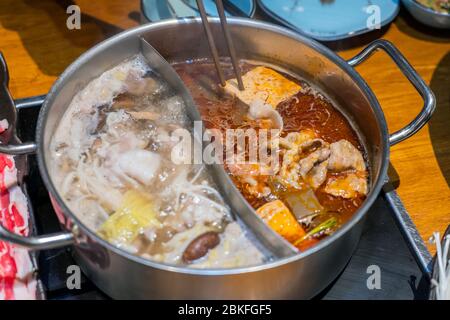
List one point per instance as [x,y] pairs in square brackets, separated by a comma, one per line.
[379,181]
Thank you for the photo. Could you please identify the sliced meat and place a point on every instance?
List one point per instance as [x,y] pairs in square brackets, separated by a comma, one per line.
[290,168]
[307,164]
[313,145]
[318,174]
[347,186]
[344,156]
[251,169]
[141,165]
[254,178]
[297,139]
[260,110]
[309,168]
[312,169]
[140,86]
[256,186]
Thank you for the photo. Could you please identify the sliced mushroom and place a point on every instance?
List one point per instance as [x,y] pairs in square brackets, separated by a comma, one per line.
[123,101]
[144,115]
[345,156]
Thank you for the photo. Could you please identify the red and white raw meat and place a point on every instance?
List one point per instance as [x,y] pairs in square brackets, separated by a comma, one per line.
[3,125]
[17,277]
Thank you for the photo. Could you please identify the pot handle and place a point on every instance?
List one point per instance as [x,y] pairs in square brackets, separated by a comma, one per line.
[18,149]
[8,112]
[412,75]
[51,241]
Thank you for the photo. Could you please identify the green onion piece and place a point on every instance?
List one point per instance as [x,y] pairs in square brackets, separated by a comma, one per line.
[330,223]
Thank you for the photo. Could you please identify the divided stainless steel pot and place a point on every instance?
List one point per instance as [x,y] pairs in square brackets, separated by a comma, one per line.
[123,275]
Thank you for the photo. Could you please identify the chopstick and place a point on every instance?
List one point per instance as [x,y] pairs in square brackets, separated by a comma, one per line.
[212,44]
[228,40]
[230,44]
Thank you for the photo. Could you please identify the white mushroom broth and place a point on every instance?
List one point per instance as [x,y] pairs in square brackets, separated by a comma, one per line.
[111,162]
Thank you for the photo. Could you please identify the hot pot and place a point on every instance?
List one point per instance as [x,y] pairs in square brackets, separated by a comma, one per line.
[123,275]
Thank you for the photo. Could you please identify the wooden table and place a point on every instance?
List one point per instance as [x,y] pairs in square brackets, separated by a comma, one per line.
[38,47]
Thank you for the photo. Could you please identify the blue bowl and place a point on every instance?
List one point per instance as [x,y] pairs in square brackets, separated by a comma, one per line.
[427,15]
[332,20]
